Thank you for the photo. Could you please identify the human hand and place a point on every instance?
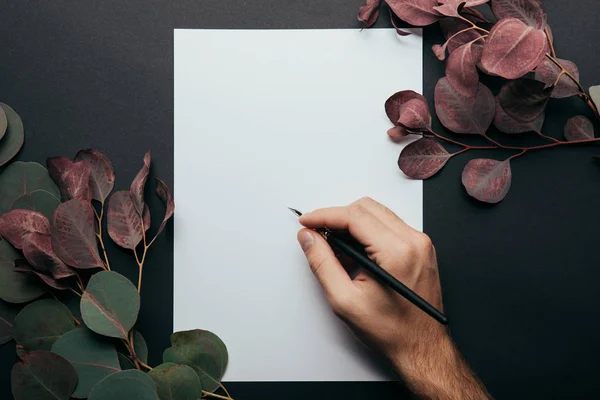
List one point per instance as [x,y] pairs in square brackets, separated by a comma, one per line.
[415,344]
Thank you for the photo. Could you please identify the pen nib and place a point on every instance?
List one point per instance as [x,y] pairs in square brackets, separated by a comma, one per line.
[296,212]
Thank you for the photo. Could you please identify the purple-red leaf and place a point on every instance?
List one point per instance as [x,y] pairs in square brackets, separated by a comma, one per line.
[548,72]
[507,124]
[579,128]
[73,179]
[397,133]
[74,235]
[463,114]
[459,33]
[37,249]
[450,8]
[25,267]
[162,190]
[415,115]
[487,180]
[461,69]
[530,12]
[369,13]
[524,99]
[398,30]
[123,222]
[16,225]
[139,184]
[102,175]
[415,12]
[423,159]
[440,51]
[513,49]
[394,104]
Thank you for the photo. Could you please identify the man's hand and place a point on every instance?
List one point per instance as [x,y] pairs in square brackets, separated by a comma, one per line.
[418,347]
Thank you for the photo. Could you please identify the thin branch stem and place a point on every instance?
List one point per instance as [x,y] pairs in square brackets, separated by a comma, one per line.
[99,234]
[558,78]
[540,134]
[216,396]
[473,24]
[75,291]
[550,44]
[141,262]
[459,143]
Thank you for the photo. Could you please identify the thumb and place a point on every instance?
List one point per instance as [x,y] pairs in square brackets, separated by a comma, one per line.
[329,272]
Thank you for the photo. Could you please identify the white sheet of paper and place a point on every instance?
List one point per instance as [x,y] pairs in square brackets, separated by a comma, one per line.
[266,120]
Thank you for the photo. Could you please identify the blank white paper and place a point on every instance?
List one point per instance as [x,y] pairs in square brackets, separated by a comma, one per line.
[265,120]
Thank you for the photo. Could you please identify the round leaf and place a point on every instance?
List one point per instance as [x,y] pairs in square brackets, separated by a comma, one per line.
[21,178]
[423,158]
[124,224]
[130,384]
[415,12]
[507,124]
[415,116]
[579,128]
[16,287]
[176,382]
[530,12]
[13,138]
[93,358]
[40,324]
[102,173]
[8,312]
[38,200]
[463,114]
[461,69]
[513,49]
[369,13]
[17,225]
[42,375]
[140,347]
[548,71]
[397,134]
[201,350]
[110,304]
[524,99]
[37,249]
[393,105]
[487,180]
[3,123]
[125,362]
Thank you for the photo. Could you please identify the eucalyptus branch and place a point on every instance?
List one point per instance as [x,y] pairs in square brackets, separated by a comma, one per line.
[99,233]
[216,396]
[141,262]
[550,44]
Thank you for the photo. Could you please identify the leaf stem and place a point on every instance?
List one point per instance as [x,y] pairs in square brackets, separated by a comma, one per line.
[216,396]
[99,234]
[141,262]
[473,24]
[540,134]
[75,291]
[550,44]
[459,143]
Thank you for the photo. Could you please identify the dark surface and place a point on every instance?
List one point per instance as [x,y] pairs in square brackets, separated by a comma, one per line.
[520,278]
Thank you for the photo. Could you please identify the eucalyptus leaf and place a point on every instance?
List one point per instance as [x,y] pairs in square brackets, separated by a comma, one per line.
[110,304]
[139,346]
[162,190]
[123,223]
[125,362]
[40,324]
[16,287]
[176,382]
[14,136]
[93,357]
[130,384]
[3,123]
[102,173]
[139,184]
[21,178]
[42,375]
[201,350]
[8,312]
[38,200]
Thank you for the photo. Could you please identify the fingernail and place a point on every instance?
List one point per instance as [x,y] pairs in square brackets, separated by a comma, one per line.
[306,240]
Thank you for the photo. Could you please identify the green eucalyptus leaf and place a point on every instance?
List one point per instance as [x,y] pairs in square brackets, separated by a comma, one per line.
[110,304]
[16,287]
[595,95]
[8,312]
[176,382]
[140,346]
[125,362]
[125,385]
[40,324]
[21,178]
[14,137]
[201,350]
[3,123]
[42,375]
[93,357]
[38,200]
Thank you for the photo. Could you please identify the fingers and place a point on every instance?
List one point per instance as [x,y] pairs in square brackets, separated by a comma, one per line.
[387,216]
[329,272]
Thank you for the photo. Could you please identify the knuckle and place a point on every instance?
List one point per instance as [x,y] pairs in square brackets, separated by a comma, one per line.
[424,244]
[358,209]
[366,200]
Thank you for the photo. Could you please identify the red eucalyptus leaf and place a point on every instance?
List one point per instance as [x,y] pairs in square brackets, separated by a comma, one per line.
[415,115]
[25,267]
[530,12]
[548,71]
[487,180]
[458,33]
[37,249]
[474,15]
[369,13]
[162,190]
[139,184]
[461,69]
[524,99]
[397,133]
[579,128]
[415,12]
[507,124]
[73,179]
[102,175]
[42,375]
[397,100]
[450,8]
[440,51]
[463,114]
[423,159]
[513,49]
[123,222]
[398,30]
[16,225]
[473,3]
[74,235]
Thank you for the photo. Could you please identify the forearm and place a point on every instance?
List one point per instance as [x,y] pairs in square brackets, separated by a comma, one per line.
[439,372]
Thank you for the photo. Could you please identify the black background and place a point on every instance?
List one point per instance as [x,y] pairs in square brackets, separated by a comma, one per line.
[520,279]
